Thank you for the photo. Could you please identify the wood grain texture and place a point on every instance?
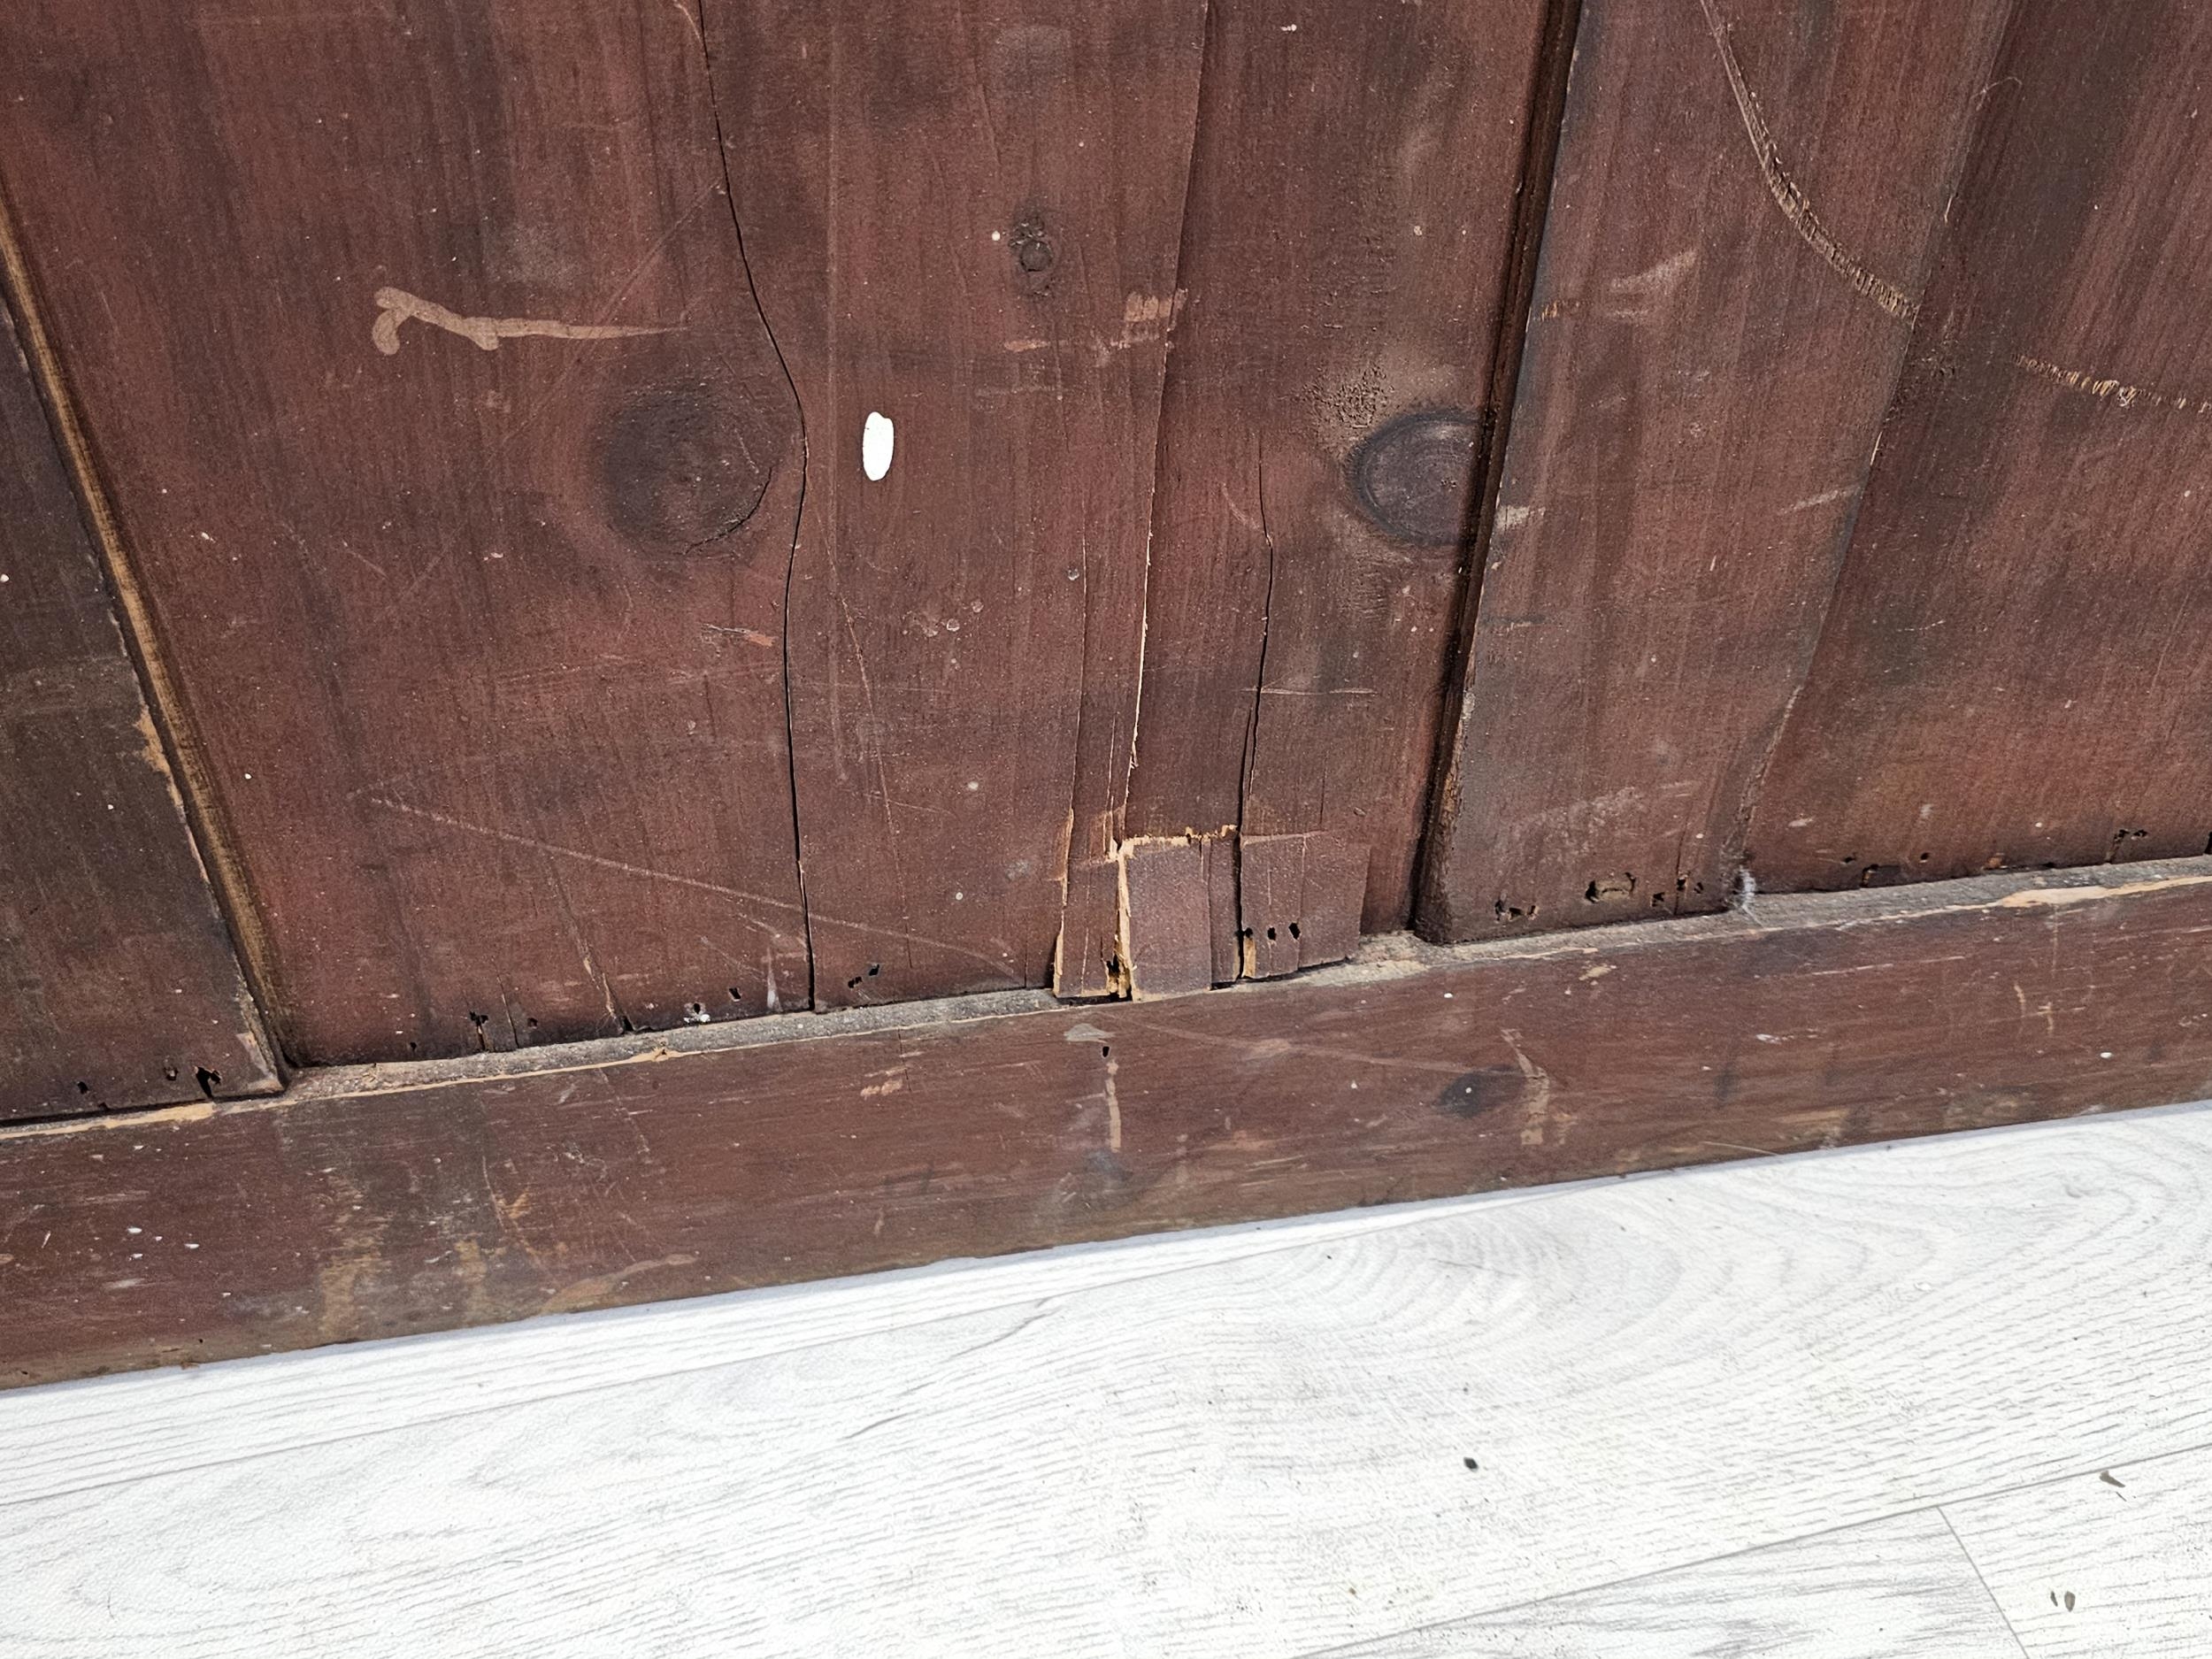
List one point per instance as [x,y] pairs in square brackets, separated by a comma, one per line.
[1894,1589]
[1178,914]
[55,1440]
[1663,1383]
[2116,1560]
[2014,671]
[963,219]
[382,1201]
[1745,201]
[1352,198]
[117,984]
[1298,899]
[458,471]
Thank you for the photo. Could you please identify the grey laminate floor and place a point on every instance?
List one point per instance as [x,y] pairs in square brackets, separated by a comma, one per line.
[1948,1398]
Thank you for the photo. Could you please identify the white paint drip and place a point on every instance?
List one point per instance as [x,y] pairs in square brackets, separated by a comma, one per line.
[875,446]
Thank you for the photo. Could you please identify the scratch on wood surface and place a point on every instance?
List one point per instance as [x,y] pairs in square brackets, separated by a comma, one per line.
[2044,1008]
[751,636]
[510,838]
[1145,317]
[1795,207]
[1536,1113]
[1113,1105]
[395,306]
[2056,898]
[587,1293]
[1821,499]
[2101,387]
[1632,297]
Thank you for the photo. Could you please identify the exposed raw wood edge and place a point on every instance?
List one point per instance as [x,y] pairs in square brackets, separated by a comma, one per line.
[1381,958]
[2053,897]
[1540,137]
[1122,976]
[170,748]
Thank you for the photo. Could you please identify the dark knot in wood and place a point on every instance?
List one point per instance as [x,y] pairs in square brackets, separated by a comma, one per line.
[1414,477]
[673,477]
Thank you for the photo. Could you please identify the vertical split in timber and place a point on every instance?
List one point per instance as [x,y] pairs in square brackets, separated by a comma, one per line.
[964,223]
[1352,200]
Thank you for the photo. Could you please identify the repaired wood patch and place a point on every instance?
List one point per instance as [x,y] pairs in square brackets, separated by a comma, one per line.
[1299,899]
[1179,914]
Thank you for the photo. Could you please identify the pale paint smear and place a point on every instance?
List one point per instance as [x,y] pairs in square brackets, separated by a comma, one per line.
[875,446]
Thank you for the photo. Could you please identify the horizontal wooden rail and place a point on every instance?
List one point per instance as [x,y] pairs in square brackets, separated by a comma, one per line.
[372,1202]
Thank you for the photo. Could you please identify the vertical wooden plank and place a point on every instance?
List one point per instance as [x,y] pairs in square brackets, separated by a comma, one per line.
[117,984]
[1745,201]
[1352,204]
[457,472]
[2015,670]
[964,217]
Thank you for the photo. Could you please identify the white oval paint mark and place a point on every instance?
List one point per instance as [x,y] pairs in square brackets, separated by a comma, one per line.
[875,446]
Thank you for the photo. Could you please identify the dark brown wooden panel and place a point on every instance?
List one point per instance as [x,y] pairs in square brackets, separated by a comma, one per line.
[2018,670]
[117,984]
[418,354]
[1745,201]
[1345,256]
[962,217]
[411,1198]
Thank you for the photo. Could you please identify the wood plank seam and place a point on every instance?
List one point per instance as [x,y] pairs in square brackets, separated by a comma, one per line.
[1809,650]
[1543,124]
[1967,1556]
[1937,1507]
[1569,817]
[186,765]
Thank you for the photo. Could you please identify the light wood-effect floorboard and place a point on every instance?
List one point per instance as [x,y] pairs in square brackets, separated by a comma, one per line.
[1856,1403]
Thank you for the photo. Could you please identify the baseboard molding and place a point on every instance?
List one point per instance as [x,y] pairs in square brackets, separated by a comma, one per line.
[370,1201]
